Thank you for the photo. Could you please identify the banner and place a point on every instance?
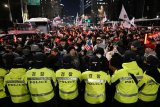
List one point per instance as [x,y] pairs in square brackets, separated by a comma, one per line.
[33,2]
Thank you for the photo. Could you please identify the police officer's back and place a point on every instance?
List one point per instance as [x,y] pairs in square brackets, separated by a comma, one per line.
[68,80]
[41,82]
[3,96]
[96,81]
[125,81]
[149,84]
[16,85]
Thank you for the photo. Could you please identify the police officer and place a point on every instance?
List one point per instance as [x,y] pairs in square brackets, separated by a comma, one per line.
[16,85]
[125,81]
[41,82]
[68,80]
[3,97]
[149,84]
[96,82]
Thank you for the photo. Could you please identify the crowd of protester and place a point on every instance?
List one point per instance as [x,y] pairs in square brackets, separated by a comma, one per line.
[112,47]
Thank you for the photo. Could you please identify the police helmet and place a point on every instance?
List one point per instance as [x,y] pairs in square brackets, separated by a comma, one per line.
[152,60]
[18,62]
[129,56]
[99,50]
[39,57]
[67,59]
[94,63]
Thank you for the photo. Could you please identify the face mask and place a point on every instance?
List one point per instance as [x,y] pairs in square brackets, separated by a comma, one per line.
[99,55]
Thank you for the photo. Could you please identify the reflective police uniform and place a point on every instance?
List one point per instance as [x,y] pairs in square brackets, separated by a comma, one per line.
[67,81]
[95,92]
[149,90]
[16,85]
[126,88]
[40,84]
[3,72]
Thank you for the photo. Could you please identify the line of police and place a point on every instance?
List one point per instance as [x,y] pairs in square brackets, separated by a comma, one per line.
[67,87]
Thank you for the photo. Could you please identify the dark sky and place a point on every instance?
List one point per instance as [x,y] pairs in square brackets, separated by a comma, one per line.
[71,6]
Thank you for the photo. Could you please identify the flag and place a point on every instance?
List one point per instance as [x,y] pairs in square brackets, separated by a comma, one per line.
[80,22]
[77,20]
[105,18]
[123,15]
[132,22]
[89,45]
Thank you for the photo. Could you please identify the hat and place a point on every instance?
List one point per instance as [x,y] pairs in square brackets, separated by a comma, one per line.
[150,46]
[136,44]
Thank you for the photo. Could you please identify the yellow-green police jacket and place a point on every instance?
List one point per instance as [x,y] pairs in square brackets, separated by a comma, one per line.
[95,92]
[150,89]
[16,85]
[3,72]
[67,80]
[40,84]
[127,89]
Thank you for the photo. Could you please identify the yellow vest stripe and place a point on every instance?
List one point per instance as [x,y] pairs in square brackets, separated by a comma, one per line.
[39,78]
[94,80]
[95,95]
[126,95]
[15,81]
[148,94]
[67,78]
[70,92]
[20,95]
[42,94]
[129,78]
[139,77]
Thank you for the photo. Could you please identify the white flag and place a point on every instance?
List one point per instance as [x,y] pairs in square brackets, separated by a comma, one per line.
[77,18]
[105,18]
[123,15]
[132,22]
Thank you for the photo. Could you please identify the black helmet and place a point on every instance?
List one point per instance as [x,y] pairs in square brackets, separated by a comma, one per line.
[152,60]
[99,50]
[67,61]
[94,63]
[18,62]
[39,57]
[39,60]
[129,56]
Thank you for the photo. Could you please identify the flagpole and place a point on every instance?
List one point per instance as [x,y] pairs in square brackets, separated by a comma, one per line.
[22,12]
[143,8]
[10,13]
